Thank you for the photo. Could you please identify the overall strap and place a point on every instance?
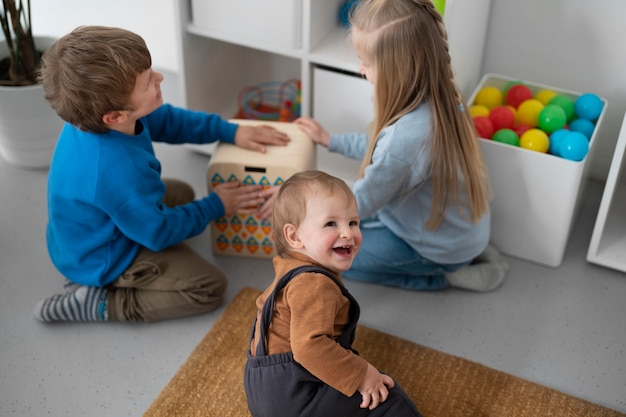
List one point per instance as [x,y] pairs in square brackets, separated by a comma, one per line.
[345,339]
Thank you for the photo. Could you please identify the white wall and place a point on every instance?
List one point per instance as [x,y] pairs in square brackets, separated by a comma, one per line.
[570,44]
[154,20]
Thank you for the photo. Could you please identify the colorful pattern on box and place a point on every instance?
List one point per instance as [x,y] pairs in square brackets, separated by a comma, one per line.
[246,235]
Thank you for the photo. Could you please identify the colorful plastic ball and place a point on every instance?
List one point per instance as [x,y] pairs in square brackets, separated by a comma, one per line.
[545,96]
[535,140]
[588,106]
[528,112]
[483,126]
[517,94]
[555,141]
[552,118]
[502,118]
[478,110]
[489,97]
[583,126]
[514,111]
[511,84]
[574,146]
[520,128]
[507,136]
[566,104]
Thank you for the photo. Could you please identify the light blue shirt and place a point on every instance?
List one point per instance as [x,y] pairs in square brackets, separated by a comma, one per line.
[396,188]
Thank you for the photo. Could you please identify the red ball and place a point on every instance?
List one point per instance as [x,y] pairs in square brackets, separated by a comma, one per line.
[483,126]
[520,129]
[517,94]
[502,117]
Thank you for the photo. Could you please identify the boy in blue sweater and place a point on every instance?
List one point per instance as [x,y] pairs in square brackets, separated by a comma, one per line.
[116,229]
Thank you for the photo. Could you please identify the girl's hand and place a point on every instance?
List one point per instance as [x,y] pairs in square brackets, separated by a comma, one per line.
[314,130]
[375,388]
[256,137]
[238,198]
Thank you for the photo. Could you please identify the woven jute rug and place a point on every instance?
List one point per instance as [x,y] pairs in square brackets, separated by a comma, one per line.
[210,382]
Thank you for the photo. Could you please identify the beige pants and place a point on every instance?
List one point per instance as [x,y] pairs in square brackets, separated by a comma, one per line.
[175,282]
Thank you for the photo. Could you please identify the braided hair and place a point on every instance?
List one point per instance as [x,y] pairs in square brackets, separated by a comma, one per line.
[406,41]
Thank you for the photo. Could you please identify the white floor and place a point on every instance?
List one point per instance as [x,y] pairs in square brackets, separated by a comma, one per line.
[564,328]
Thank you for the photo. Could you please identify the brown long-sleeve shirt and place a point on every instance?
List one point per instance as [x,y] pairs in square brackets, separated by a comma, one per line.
[310,314]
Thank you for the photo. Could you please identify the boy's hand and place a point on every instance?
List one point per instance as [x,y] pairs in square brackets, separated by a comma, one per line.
[256,137]
[375,388]
[238,198]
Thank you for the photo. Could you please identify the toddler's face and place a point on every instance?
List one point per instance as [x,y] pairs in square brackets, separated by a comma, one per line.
[330,232]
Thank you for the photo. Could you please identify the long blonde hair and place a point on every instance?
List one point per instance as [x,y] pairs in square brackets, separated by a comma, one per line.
[408,44]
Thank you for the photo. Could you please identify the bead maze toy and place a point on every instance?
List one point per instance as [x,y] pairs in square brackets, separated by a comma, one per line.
[249,235]
[270,100]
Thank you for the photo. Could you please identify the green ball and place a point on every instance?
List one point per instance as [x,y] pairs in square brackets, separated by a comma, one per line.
[507,136]
[552,118]
[566,103]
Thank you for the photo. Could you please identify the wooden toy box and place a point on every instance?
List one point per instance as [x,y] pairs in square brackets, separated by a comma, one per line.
[249,235]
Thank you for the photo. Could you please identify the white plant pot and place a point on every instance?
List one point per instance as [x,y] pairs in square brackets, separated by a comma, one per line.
[29,127]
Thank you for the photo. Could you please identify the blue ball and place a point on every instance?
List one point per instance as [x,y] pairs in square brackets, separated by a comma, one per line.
[555,141]
[584,126]
[588,106]
[574,146]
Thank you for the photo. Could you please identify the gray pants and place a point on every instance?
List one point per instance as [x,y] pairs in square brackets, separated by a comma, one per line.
[175,282]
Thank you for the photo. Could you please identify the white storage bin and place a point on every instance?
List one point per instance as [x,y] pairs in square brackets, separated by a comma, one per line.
[535,195]
[272,22]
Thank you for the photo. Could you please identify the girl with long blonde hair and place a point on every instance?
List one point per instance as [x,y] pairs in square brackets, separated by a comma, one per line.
[423,190]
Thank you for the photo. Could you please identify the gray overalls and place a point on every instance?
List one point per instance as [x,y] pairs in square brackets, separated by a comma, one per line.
[278,386]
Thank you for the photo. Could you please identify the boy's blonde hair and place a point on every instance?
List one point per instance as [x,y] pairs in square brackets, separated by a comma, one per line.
[290,204]
[92,71]
[407,41]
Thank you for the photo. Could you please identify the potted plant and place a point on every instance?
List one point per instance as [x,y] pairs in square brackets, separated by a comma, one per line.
[29,127]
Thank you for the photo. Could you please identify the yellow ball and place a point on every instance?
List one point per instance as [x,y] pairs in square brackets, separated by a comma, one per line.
[535,140]
[528,112]
[479,110]
[544,96]
[489,97]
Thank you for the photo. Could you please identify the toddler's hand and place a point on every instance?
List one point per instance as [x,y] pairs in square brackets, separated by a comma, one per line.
[375,388]
[256,137]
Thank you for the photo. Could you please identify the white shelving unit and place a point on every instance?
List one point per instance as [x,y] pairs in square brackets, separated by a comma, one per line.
[608,241]
[224,50]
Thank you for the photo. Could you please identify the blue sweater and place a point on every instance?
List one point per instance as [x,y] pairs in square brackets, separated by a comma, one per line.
[397,189]
[105,194]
